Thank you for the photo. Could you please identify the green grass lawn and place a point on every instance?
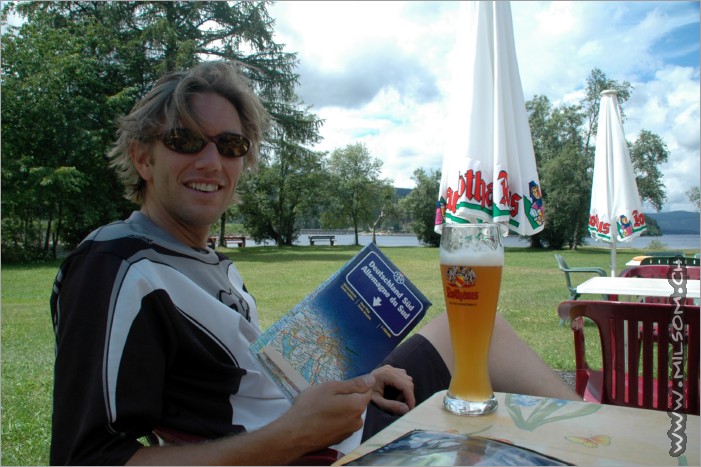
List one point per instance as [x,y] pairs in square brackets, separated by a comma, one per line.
[532,287]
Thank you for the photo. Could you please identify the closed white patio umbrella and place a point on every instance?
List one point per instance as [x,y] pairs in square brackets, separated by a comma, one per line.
[616,212]
[489,172]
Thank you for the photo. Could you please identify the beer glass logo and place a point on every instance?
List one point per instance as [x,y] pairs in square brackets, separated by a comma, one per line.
[461,276]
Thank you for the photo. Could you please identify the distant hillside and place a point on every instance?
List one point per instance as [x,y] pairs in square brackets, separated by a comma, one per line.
[677,222]
[402,192]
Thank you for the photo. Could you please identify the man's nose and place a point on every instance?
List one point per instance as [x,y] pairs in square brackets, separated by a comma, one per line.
[209,157]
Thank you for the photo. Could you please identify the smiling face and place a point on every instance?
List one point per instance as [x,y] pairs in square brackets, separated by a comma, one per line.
[186,193]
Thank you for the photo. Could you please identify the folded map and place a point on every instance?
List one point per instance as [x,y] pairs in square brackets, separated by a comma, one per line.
[343,328]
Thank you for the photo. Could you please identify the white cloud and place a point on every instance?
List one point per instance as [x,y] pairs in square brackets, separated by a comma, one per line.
[668,105]
[376,72]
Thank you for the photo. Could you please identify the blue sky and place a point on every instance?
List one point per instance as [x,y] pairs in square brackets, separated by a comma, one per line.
[682,46]
[375,72]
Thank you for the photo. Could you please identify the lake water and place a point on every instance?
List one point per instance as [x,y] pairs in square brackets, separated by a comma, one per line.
[671,242]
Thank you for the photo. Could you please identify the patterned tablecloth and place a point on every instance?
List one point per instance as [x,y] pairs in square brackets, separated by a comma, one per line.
[576,432]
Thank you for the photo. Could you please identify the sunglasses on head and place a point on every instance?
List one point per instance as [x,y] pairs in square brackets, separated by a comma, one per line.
[186,141]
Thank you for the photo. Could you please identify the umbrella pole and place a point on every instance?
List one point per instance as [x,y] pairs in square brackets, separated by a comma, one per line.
[613,255]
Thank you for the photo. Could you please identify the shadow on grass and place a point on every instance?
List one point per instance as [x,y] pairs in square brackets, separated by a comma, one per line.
[52,264]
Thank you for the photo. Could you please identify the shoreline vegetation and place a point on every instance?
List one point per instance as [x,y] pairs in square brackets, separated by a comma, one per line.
[532,287]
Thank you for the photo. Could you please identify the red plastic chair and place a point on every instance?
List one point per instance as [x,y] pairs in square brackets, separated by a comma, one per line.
[631,354]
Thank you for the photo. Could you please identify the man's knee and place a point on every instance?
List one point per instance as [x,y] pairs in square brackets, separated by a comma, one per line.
[437,333]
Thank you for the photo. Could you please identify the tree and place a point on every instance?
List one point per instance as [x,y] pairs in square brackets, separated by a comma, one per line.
[57,113]
[569,188]
[72,67]
[647,153]
[653,228]
[564,173]
[694,197]
[290,177]
[597,82]
[56,188]
[388,207]
[355,188]
[539,112]
[562,140]
[421,204]
[283,194]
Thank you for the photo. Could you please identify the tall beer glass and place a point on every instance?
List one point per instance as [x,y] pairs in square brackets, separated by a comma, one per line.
[472,257]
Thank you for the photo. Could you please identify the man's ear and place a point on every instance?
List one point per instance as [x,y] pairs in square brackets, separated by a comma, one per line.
[141,158]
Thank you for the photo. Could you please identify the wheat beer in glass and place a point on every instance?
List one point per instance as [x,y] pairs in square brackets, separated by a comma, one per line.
[472,257]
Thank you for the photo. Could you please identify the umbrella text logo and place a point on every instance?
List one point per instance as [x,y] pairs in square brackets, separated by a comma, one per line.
[472,187]
[599,226]
[477,196]
[624,225]
[473,192]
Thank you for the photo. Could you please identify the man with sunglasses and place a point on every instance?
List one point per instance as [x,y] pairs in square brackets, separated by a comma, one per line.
[153,327]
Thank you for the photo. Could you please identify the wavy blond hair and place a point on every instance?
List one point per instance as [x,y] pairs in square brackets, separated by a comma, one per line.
[167,105]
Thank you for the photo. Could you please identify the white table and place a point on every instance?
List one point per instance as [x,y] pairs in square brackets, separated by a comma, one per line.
[636,261]
[639,286]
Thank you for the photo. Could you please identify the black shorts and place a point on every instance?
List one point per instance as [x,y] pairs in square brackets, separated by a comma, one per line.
[424,364]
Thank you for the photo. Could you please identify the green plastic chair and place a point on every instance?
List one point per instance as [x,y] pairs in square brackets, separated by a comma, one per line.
[562,264]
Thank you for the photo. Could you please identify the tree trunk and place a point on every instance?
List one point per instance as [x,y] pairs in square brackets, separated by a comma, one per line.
[535,242]
[575,235]
[57,234]
[222,228]
[354,220]
[374,226]
[48,231]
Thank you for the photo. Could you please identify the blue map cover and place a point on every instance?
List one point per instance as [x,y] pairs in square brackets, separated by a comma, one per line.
[345,327]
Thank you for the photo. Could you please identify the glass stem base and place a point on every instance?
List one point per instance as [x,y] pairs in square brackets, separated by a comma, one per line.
[459,406]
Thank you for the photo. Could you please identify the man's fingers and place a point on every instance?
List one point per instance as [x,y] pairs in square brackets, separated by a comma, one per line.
[359,384]
[396,379]
[391,406]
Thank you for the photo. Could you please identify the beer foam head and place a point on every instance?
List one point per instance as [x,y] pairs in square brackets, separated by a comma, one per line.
[472,245]
[473,257]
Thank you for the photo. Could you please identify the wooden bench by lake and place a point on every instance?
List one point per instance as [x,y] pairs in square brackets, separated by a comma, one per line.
[239,240]
[315,238]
